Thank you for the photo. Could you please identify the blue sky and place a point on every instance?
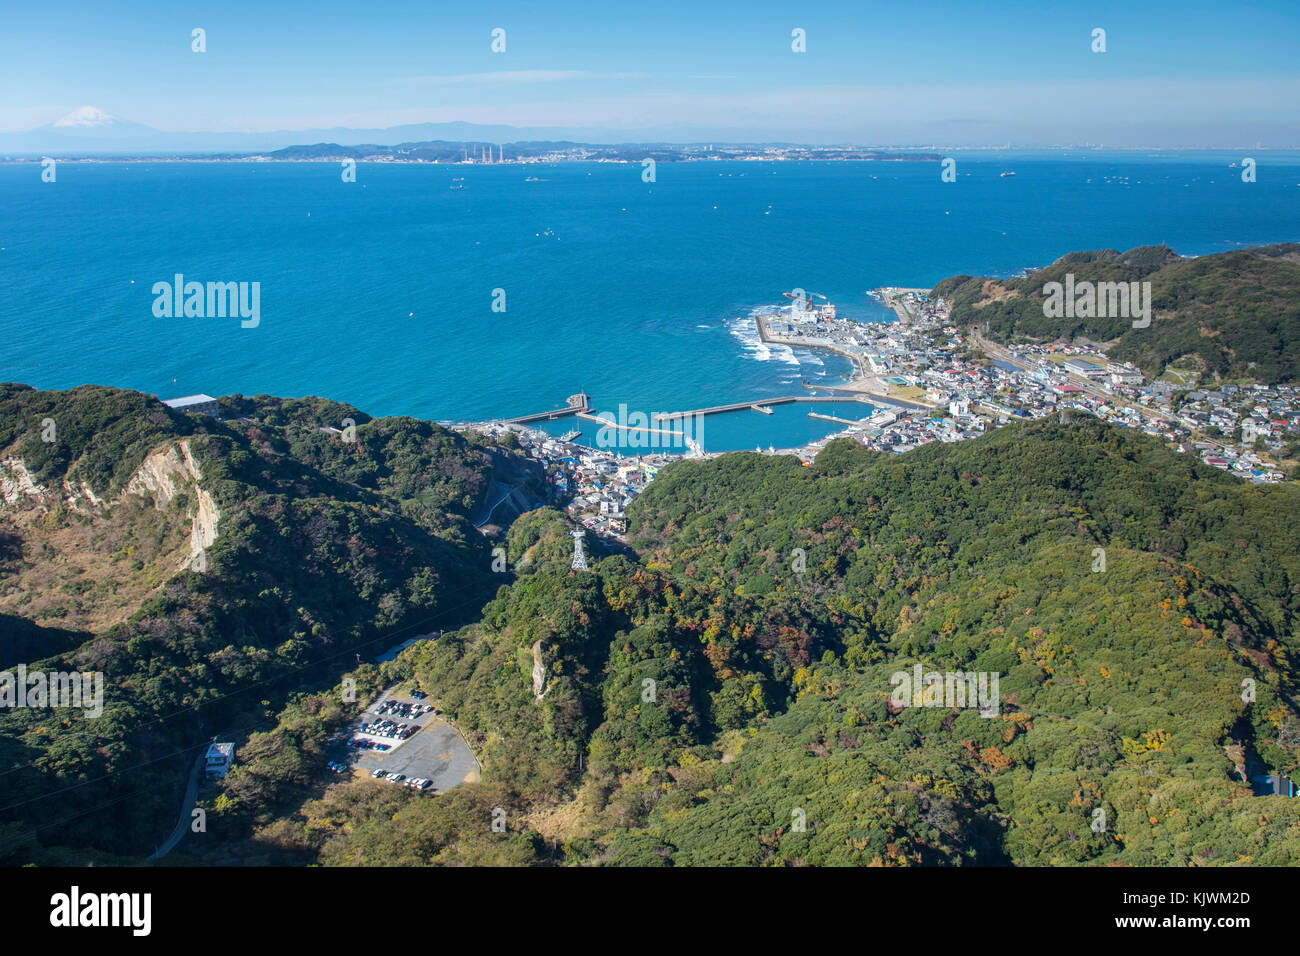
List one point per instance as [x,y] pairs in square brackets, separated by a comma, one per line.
[1186,73]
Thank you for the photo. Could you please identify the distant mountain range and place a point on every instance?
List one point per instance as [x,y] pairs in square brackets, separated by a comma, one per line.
[89,130]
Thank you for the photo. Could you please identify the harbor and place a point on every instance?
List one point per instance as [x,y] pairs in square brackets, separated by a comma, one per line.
[802,324]
[758,405]
[577,404]
[915,381]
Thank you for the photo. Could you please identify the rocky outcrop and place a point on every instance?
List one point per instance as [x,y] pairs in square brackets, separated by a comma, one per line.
[162,476]
[81,496]
[164,473]
[539,672]
[18,486]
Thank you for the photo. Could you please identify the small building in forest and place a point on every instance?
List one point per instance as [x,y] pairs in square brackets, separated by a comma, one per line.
[219,759]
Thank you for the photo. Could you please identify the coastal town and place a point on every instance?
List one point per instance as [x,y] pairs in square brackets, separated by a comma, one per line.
[970,385]
[919,380]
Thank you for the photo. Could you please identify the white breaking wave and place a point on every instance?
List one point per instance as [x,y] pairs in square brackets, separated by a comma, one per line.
[746,332]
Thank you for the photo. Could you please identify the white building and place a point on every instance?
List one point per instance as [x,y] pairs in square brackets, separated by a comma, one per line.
[1085,368]
[1124,374]
[200,404]
[219,759]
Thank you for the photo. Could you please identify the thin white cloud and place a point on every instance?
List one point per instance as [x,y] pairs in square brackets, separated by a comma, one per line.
[506,77]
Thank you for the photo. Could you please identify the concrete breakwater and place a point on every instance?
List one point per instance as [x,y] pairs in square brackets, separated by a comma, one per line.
[774,338]
[863,384]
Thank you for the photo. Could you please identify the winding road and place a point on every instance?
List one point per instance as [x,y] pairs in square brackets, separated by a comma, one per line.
[187,809]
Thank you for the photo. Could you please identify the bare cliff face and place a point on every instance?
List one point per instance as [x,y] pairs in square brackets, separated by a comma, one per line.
[17,486]
[165,474]
[539,672]
[88,559]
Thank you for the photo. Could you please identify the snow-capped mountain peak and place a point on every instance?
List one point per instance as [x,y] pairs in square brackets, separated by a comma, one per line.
[86,116]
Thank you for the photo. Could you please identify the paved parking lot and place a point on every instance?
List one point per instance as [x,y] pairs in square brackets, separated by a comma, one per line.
[436,752]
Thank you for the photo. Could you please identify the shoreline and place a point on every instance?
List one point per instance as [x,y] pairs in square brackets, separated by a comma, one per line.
[858,382]
[871,388]
[874,390]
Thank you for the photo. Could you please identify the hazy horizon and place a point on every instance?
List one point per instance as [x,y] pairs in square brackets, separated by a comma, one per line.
[1169,77]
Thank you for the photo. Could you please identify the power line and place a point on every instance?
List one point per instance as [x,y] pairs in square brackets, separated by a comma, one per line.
[287,673]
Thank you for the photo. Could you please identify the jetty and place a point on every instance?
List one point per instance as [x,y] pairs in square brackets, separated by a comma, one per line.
[861,376]
[628,428]
[759,405]
[838,421]
[577,404]
[874,397]
[766,335]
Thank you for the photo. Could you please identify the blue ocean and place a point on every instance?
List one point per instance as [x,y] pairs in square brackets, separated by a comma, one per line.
[380,292]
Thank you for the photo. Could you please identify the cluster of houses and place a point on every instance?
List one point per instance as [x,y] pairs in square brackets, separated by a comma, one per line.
[1258,416]
[596,484]
[605,483]
[1238,428]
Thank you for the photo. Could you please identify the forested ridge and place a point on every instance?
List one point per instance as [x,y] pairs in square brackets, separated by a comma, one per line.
[324,548]
[1233,315]
[769,736]
[723,696]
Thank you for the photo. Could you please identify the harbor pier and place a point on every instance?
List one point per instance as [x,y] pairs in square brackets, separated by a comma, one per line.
[759,405]
[577,404]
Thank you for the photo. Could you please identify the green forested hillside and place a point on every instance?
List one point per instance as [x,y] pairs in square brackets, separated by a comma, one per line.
[323,548]
[1235,314]
[722,696]
[769,737]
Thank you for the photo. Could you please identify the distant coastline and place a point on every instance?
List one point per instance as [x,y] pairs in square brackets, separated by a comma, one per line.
[480,153]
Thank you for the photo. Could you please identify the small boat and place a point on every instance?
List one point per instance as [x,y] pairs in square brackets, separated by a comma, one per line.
[1009,172]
